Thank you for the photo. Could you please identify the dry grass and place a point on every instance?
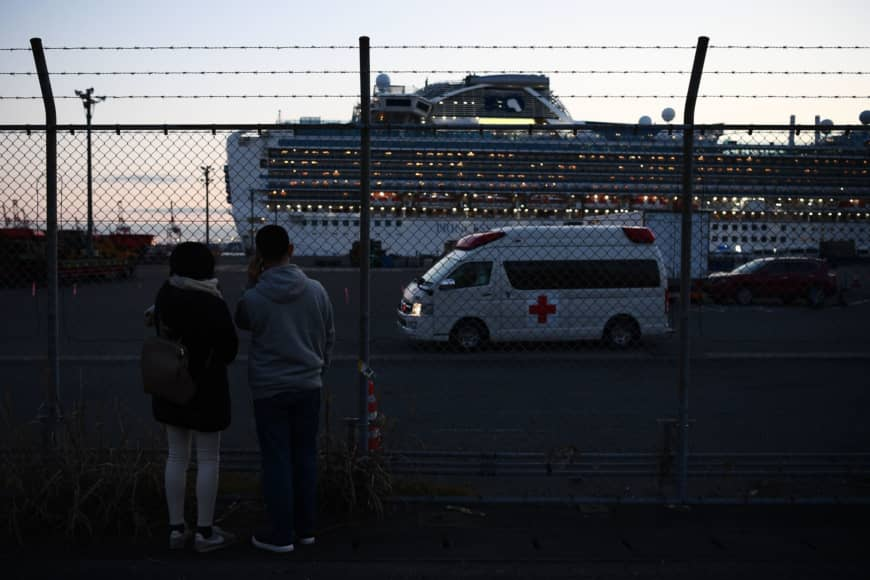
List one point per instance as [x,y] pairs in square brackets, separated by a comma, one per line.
[82,489]
[76,490]
[350,483]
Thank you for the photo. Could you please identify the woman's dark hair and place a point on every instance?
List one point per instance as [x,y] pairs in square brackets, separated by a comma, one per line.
[192,260]
[272,242]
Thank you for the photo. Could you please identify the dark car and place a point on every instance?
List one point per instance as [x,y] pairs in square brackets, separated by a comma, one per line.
[787,278]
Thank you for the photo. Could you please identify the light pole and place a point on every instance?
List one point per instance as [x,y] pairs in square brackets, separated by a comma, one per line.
[89,101]
[206,170]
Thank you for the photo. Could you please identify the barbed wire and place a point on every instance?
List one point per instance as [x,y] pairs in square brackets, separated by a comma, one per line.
[440,71]
[355,96]
[449,46]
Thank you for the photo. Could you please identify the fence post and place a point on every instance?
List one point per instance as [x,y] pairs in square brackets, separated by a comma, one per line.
[49,413]
[364,240]
[686,263]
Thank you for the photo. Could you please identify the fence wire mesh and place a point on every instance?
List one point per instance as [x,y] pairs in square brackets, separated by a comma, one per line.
[501,258]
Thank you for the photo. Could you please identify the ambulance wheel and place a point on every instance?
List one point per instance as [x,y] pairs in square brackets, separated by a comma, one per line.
[621,332]
[468,335]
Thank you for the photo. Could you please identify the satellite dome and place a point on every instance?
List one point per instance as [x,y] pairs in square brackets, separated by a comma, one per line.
[382,82]
[668,114]
[826,125]
[864,117]
[645,120]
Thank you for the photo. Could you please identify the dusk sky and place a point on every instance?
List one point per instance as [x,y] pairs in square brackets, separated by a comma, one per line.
[447,22]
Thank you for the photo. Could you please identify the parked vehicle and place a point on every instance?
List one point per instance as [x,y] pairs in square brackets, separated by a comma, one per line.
[786,278]
[546,283]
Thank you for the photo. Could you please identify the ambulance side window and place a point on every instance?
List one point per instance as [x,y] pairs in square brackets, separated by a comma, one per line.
[472,274]
[570,274]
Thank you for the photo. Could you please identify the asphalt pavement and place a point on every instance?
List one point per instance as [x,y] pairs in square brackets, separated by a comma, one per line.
[501,541]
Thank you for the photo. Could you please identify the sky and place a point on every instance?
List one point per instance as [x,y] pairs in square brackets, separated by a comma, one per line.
[445,22]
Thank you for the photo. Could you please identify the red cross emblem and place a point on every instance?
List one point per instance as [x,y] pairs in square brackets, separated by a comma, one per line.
[542,309]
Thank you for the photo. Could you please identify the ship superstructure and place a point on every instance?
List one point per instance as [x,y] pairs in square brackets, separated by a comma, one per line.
[440,170]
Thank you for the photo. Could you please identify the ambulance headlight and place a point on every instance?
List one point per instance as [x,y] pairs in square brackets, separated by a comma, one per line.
[420,309]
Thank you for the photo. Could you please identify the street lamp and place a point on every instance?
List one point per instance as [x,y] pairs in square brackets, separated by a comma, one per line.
[89,101]
[206,170]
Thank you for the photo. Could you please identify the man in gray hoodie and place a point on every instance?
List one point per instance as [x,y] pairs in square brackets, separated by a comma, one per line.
[292,333]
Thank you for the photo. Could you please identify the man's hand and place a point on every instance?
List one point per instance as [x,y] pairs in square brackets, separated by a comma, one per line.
[255,267]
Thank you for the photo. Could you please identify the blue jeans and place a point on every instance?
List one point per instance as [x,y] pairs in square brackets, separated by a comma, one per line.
[287,429]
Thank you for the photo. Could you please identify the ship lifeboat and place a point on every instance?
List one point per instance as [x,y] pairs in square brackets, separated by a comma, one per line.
[385,199]
[650,203]
[850,205]
[436,201]
[546,202]
[600,201]
[491,201]
[677,204]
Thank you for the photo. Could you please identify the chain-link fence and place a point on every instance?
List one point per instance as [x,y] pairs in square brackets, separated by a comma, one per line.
[525,301]
[523,284]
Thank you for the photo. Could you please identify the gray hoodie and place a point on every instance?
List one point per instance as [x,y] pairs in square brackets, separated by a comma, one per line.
[292,331]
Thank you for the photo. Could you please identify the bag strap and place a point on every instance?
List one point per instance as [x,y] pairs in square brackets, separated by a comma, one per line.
[156,319]
[158,322]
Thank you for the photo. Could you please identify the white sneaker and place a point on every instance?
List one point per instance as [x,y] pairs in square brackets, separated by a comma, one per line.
[271,546]
[178,540]
[219,539]
[307,541]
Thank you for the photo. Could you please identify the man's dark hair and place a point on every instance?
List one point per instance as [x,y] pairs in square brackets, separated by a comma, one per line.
[272,242]
[192,260]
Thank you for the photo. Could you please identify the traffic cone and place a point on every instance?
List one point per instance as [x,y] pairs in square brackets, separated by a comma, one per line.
[374,429]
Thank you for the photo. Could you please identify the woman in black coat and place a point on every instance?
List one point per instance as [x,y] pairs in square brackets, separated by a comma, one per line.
[190,306]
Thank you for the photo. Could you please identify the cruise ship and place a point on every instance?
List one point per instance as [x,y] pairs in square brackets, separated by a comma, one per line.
[457,157]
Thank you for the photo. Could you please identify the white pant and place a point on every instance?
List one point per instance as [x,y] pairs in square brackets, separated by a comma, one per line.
[207,469]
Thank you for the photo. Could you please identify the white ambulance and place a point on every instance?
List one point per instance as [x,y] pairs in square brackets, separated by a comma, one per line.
[541,283]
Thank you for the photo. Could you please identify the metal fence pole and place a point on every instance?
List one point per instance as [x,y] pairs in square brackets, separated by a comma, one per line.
[49,412]
[206,170]
[252,247]
[686,264]
[364,240]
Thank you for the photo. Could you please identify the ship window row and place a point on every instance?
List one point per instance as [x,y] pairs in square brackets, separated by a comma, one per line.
[423,152]
[484,164]
[437,150]
[744,226]
[840,188]
[477,182]
[348,223]
[526,172]
[755,227]
[764,239]
[747,238]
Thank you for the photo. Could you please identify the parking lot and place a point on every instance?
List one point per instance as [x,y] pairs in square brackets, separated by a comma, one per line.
[764,377]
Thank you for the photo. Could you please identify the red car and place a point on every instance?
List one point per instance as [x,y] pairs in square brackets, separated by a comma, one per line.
[787,278]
